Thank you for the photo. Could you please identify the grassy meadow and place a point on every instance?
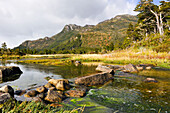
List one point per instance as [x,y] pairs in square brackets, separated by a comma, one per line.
[123,57]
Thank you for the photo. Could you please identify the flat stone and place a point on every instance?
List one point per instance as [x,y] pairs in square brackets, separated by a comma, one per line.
[105,69]
[75,93]
[95,79]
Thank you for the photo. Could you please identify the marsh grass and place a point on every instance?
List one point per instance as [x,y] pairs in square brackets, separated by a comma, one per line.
[123,57]
[130,56]
[36,107]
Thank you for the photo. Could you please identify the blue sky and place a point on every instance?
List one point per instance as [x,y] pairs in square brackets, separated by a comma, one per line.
[22,20]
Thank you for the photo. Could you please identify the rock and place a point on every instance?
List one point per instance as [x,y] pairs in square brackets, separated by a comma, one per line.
[7,89]
[4,97]
[96,79]
[150,80]
[41,89]
[77,63]
[31,93]
[47,78]
[48,85]
[75,93]
[41,95]
[52,88]
[20,92]
[148,67]
[139,68]
[60,84]
[105,69]
[37,99]
[131,68]
[8,72]
[54,96]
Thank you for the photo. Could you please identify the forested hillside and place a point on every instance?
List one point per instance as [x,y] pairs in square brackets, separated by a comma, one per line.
[107,35]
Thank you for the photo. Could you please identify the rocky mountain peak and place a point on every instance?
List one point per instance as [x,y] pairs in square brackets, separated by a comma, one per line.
[71,27]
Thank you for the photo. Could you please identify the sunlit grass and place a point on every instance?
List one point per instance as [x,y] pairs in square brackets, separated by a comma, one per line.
[130,56]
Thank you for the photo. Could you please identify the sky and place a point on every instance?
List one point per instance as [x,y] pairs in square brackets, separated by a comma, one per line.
[22,20]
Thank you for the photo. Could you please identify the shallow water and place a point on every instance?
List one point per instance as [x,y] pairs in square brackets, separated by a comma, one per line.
[126,93]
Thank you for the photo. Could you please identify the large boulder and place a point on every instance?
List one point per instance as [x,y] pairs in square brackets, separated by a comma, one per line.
[105,69]
[8,73]
[7,89]
[130,68]
[95,79]
[60,84]
[54,96]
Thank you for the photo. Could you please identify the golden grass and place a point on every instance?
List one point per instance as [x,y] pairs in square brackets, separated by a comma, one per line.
[129,56]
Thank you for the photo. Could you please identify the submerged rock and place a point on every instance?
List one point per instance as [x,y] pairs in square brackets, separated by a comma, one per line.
[96,79]
[60,84]
[20,92]
[54,96]
[105,69]
[131,68]
[7,89]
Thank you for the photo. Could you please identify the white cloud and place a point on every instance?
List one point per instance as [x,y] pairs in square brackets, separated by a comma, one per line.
[22,20]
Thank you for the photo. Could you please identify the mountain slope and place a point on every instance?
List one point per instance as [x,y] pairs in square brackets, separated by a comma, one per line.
[90,36]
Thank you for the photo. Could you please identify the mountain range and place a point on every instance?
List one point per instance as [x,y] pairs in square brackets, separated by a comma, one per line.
[72,36]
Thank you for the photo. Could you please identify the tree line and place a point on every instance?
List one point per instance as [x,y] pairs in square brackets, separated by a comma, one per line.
[153,27]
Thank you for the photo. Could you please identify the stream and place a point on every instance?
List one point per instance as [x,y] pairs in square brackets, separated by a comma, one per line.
[126,93]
